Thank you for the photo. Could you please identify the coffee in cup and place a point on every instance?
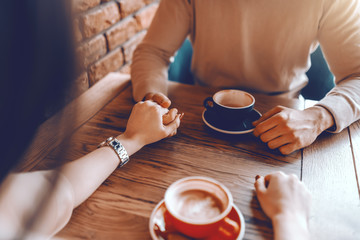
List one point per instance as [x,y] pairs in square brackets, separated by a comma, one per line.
[230,106]
[198,207]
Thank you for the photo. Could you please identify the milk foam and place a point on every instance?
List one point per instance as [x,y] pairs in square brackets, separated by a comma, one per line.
[198,205]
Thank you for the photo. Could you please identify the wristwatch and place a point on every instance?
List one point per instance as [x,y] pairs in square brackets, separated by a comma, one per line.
[118,148]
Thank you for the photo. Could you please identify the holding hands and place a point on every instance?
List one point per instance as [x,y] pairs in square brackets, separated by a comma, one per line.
[149,123]
[159,98]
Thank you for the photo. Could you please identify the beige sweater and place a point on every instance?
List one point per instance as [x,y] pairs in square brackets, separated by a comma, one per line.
[257,45]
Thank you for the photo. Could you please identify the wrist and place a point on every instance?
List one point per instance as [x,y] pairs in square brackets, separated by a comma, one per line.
[131,143]
[324,119]
[290,226]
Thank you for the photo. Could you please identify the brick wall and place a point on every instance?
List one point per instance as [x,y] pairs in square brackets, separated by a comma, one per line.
[107,32]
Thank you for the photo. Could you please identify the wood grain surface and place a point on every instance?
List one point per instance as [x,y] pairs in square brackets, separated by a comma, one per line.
[328,171]
[354,130]
[121,207]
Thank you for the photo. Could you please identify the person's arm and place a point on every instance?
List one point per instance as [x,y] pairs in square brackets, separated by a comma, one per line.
[145,126]
[168,30]
[339,36]
[286,201]
[80,178]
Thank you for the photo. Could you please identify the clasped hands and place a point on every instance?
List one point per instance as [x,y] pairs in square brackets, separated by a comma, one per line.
[280,128]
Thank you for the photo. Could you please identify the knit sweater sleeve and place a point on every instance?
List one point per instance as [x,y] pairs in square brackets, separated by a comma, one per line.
[339,36]
[168,30]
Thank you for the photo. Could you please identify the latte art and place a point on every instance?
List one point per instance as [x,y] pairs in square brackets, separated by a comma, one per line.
[198,205]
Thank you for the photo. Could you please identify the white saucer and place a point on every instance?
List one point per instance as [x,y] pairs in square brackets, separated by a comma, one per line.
[243,127]
[157,220]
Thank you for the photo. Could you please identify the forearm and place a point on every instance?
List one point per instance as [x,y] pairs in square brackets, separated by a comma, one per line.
[87,173]
[168,30]
[339,37]
[290,227]
[148,73]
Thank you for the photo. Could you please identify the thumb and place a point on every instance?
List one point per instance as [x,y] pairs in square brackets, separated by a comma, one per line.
[260,185]
[171,127]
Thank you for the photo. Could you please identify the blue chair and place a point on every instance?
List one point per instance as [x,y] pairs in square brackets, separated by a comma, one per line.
[180,68]
[321,80]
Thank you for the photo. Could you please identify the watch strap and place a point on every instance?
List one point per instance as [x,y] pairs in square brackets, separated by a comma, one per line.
[118,148]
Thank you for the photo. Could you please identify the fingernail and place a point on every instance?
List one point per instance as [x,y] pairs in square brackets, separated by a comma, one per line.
[257,177]
[181,116]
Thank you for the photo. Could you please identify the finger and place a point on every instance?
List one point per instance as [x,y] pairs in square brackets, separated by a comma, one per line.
[171,127]
[288,148]
[173,133]
[148,96]
[278,142]
[277,174]
[156,106]
[273,177]
[260,185]
[267,124]
[170,116]
[162,100]
[163,111]
[294,177]
[268,114]
[270,135]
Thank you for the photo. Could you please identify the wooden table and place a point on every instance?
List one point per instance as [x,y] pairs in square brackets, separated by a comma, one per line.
[121,207]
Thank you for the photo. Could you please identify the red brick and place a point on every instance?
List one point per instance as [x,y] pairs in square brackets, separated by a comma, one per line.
[128,7]
[83,5]
[77,33]
[100,18]
[130,45]
[145,16]
[121,32]
[91,51]
[111,62]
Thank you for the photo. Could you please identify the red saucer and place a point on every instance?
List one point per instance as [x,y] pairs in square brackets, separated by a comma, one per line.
[160,231]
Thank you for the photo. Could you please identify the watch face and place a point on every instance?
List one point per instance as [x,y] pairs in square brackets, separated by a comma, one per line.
[119,149]
[115,144]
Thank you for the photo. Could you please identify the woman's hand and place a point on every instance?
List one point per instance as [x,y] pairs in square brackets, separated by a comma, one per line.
[286,201]
[149,122]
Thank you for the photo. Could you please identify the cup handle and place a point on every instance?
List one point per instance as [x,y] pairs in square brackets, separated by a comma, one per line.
[209,103]
[228,230]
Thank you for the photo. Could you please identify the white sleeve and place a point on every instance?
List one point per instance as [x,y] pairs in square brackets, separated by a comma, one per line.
[339,37]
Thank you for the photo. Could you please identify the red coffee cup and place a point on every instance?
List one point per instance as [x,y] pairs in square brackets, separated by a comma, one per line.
[198,207]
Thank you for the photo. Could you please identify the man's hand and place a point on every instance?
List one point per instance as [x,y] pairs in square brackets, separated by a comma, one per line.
[159,98]
[289,129]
